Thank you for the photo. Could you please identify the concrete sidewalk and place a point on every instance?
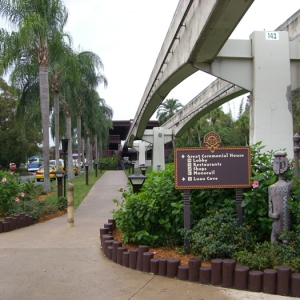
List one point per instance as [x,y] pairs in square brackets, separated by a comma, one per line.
[52,261]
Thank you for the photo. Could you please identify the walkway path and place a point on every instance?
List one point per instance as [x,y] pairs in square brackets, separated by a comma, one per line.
[52,261]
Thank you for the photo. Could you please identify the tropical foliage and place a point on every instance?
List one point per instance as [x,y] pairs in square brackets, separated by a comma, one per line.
[17,141]
[155,215]
[167,110]
[52,80]
[218,235]
[268,255]
[39,25]
[10,192]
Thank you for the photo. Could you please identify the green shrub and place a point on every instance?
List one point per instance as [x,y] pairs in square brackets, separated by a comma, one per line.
[34,208]
[205,200]
[269,255]
[218,235]
[10,192]
[155,215]
[255,199]
[109,163]
[62,203]
[294,204]
[29,187]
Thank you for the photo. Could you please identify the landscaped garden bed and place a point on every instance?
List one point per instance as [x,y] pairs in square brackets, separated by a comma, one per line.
[154,217]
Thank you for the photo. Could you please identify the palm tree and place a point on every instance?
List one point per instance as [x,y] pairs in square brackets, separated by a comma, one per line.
[88,68]
[39,23]
[101,123]
[60,61]
[167,110]
[214,116]
[78,82]
[200,126]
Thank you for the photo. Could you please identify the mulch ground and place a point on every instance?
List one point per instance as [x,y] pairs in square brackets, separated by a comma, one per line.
[160,252]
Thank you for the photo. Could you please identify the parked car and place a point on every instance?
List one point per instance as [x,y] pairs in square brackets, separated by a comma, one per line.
[34,166]
[39,175]
[61,165]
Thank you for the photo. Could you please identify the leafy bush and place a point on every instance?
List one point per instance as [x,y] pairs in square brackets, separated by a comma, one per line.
[255,199]
[155,215]
[62,203]
[218,235]
[10,192]
[294,204]
[205,200]
[269,255]
[16,197]
[34,208]
[110,163]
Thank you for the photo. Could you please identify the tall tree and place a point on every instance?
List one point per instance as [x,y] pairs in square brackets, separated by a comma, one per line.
[59,63]
[168,109]
[38,24]
[15,146]
[88,74]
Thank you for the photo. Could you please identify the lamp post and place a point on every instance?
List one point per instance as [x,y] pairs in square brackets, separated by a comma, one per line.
[132,167]
[64,146]
[59,175]
[86,173]
[143,168]
[137,181]
[96,165]
[128,163]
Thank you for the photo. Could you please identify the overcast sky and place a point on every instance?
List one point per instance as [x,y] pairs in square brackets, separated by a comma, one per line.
[128,36]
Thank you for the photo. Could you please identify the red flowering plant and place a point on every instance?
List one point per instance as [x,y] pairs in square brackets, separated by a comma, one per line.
[10,192]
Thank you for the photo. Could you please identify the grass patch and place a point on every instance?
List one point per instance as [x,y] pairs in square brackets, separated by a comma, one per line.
[128,172]
[80,188]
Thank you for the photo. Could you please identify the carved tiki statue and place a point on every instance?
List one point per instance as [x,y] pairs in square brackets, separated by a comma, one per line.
[279,194]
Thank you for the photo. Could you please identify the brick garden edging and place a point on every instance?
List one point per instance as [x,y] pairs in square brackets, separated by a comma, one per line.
[222,272]
[15,222]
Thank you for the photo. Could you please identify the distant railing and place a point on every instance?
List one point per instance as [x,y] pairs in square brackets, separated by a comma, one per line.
[114,139]
[111,153]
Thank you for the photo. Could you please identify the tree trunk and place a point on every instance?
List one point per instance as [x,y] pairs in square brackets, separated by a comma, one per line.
[56,120]
[44,101]
[96,148]
[71,175]
[79,141]
[100,147]
[87,150]
[199,137]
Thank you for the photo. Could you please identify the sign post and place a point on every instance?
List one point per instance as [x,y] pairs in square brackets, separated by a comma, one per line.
[186,216]
[212,167]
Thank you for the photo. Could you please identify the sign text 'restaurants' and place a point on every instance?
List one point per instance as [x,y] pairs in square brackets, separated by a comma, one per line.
[226,167]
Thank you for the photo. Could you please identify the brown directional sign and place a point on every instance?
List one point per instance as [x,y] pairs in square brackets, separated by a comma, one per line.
[224,167]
